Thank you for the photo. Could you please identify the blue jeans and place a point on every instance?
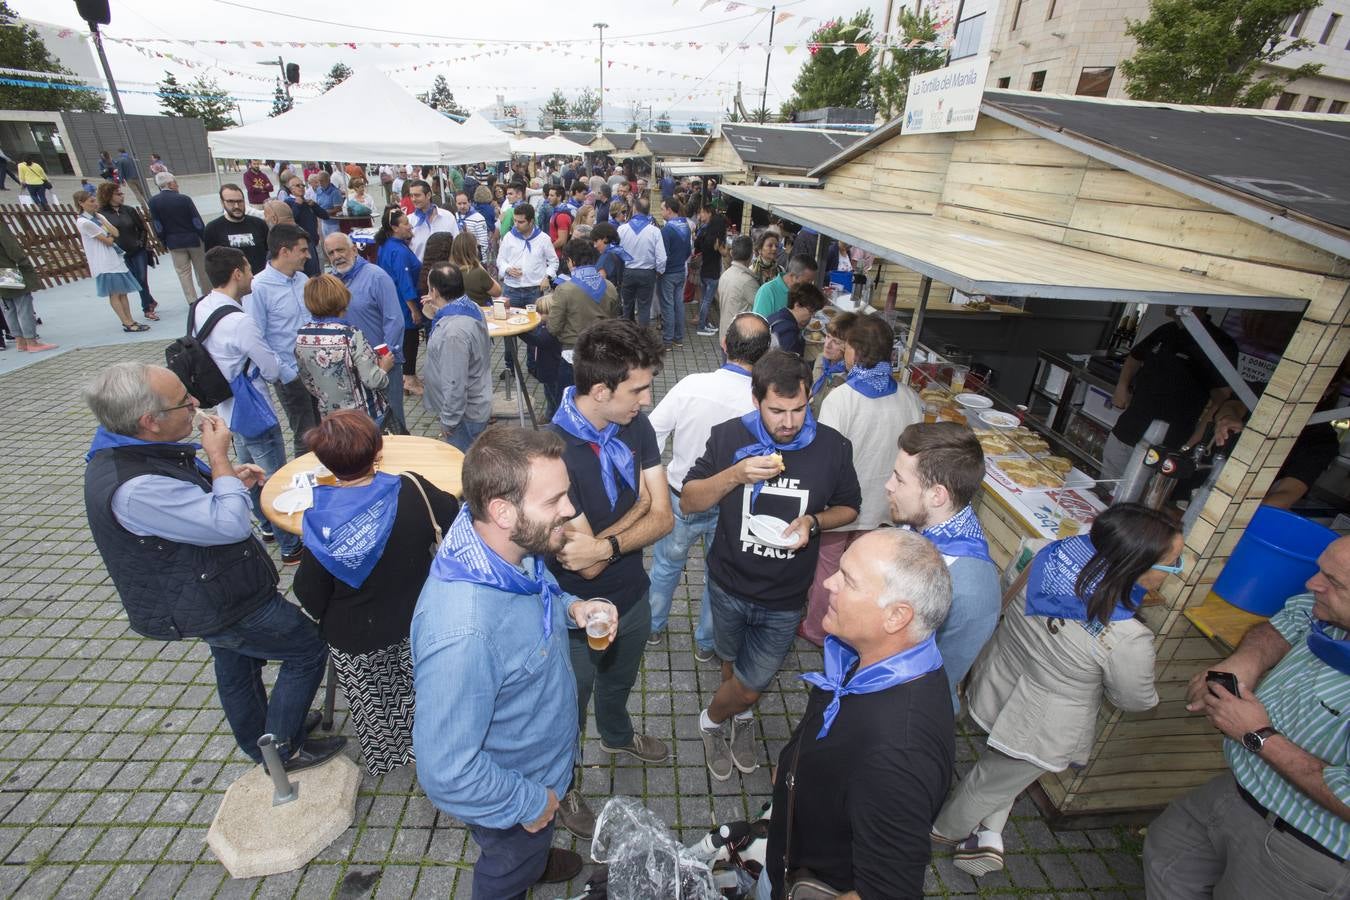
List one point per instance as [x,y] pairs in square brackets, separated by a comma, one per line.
[510,860]
[519,298]
[705,305]
[668,561]
[671,286]
[276,630]
[636,294]
[138,265]
[39,195]
[754,638]
[268,451]
[464,434]
[393,396]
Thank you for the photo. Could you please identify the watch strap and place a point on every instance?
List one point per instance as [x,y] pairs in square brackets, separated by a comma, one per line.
[614,553]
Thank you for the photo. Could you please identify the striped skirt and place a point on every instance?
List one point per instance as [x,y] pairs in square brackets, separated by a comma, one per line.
[379,689]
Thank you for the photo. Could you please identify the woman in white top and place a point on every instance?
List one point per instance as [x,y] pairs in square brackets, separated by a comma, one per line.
[112,279]
[870,409]
[361,201]
[1070,636]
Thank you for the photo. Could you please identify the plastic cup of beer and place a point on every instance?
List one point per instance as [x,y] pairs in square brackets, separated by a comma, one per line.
[322,475]
[598,624]
[930,411]
[959,374]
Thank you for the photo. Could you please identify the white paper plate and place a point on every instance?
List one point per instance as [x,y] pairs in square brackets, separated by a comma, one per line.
[974,401]
[518,320]
[293,501]
[769,530]
[999,419]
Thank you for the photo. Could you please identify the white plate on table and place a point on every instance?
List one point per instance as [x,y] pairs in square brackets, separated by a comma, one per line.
[518,320]
[293,501]
[974,401]
[769,530]
[999,419]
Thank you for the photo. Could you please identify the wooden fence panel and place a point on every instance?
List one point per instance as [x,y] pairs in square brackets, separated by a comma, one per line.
[52,242]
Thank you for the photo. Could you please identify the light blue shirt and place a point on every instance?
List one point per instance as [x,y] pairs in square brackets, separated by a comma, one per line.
[374,309]
[329,197]
[277,304]
[977,601]
[159,506]
[647,247]
[496,723]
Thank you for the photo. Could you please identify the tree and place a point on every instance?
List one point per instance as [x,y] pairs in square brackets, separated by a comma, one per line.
[553,114]
[1214,52]
[22,48]
[441,98]
[662,125]
[635,117]
[281,101]
[582,112]
[202,99]
[890,84]
[698,127]
[833,77]
[336,75]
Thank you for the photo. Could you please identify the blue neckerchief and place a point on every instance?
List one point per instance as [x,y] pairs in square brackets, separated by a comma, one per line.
[638,222]
[615,455]
[352,272]
[827,371]
[961,535]
[461,307]
[533,234]
[347,527]
[464,557]
[1054,574]
[329,320]
[875,382]
[1333,652]
[591,280]
[764,444]
[737,369]
[419,217]
[571,206]
[489,216]
[681,225]
[104,439]
[840,658]
[615,250]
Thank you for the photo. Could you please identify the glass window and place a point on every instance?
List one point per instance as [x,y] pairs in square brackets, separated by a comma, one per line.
[1313,104]
[1038,80]
[1337,107]
[1286,101]
[1017,14]
[1095,81]
[1332,22]
[1005,82]
[967,39]
[1296,30]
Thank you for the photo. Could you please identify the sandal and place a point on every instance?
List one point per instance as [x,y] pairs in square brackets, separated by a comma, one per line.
[136,326]
[151,315]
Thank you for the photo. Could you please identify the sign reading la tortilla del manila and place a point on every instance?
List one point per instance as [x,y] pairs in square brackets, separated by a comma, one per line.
[946,99]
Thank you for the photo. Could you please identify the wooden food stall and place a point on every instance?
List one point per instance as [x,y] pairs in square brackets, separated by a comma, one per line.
[1079,205]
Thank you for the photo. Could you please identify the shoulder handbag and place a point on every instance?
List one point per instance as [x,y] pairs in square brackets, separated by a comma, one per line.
[435,526]
[801,883]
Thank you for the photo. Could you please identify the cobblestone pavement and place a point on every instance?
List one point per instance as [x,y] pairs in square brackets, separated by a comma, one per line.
[114,753]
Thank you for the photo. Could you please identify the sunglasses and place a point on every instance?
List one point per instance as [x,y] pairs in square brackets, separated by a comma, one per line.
[1174,569]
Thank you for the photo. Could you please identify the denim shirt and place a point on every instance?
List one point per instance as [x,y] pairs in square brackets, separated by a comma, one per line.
[277,304]
[496,723]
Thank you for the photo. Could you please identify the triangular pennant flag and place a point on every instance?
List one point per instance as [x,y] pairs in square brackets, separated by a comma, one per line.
[862,48]
[782,17]
[788,48]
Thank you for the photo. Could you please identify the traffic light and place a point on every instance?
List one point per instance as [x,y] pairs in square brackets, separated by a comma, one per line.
[94,11]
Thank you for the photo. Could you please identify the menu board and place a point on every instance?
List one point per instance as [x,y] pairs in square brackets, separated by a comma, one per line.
[1043,509]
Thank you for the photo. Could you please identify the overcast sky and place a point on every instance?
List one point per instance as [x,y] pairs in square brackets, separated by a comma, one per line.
[520,75]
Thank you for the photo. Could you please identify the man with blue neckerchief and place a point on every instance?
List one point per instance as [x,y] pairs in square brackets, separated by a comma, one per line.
[777,480]
[496,727]
[1277,824]
[870,762]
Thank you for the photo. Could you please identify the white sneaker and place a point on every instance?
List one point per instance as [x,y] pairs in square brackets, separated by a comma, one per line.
[980,854]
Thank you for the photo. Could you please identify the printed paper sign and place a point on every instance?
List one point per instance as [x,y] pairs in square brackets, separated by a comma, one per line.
[946,99]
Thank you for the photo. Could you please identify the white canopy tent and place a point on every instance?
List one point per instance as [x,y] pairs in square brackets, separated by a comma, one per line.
[478,124]
[368,118]
[553,145]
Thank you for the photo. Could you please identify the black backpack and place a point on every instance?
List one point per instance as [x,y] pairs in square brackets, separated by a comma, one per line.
[187,358]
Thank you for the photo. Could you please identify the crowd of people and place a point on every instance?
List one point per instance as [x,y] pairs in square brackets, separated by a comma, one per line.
[477,635]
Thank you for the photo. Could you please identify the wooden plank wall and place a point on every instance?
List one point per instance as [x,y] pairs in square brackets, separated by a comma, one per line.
[1006,178]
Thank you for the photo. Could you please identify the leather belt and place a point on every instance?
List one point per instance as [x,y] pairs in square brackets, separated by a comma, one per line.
[1281,825]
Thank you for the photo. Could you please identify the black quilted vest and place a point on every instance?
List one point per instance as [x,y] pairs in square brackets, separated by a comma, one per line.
[172,590]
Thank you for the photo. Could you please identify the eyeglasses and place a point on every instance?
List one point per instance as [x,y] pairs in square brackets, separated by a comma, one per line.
[1174,569]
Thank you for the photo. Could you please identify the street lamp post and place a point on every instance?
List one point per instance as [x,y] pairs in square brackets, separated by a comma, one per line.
[600,114]
[96,14]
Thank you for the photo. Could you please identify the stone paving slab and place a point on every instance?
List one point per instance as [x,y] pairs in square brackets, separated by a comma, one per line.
[114,754]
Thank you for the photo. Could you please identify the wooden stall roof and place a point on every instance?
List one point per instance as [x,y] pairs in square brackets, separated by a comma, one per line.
[703,168]
[981,260]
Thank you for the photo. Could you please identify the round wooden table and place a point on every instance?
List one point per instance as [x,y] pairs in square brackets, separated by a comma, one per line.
[434,460]
[500,328]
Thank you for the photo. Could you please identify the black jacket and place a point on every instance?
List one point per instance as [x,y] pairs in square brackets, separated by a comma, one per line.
[176,220]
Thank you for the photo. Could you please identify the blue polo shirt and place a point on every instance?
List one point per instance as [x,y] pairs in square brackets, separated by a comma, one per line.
[624,582]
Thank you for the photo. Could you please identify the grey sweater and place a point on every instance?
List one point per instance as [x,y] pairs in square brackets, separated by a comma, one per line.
[457,374]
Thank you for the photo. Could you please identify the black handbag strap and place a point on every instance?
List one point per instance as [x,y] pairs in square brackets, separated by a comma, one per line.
[792,804]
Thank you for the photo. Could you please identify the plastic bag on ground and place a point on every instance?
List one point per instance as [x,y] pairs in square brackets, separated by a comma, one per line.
[645,860]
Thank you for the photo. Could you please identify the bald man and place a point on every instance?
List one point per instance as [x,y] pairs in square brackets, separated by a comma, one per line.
[1278,823]
[275,212]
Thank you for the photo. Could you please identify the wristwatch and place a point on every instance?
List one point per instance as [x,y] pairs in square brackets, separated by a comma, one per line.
[614,549]
[815,525]
[1255,740]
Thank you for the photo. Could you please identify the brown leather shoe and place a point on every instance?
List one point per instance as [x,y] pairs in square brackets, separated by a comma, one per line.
[563,865]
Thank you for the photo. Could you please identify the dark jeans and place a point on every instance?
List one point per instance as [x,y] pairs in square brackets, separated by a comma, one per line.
[138,264]
[518,298]
[393,395]
[464,434]
[611,673]
[302,411]
[705,304]
[509,860]
[277,630]
[412,337]
[39,195]
[636,294]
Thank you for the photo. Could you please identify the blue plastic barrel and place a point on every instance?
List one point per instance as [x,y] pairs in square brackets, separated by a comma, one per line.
[844,280]
[1272,560]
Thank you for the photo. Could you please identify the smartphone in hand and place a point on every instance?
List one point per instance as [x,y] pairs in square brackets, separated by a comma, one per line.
[1227,679]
